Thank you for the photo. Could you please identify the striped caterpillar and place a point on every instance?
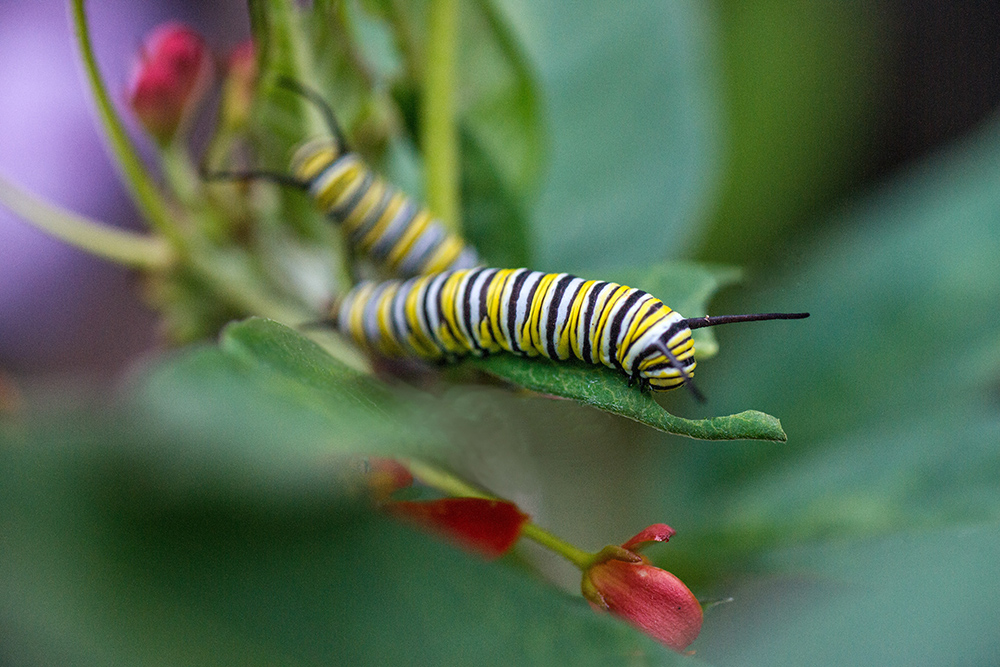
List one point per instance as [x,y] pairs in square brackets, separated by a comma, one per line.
[377,219]
[481,311]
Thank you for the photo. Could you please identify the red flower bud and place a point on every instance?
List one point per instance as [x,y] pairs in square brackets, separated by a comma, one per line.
[651,599]
[482,525]
[170,79]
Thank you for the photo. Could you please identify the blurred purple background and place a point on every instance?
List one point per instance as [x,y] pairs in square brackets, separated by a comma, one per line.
[62,311]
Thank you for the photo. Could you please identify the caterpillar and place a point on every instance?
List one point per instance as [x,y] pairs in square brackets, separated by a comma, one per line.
[481,311]
[378,219]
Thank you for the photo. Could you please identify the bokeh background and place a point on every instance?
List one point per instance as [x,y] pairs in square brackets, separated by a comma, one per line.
[846,154]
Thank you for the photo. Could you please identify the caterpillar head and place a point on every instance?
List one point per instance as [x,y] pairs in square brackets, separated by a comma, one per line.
[671,360]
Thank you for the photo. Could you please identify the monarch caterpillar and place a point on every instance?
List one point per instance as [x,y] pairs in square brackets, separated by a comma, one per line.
[481,311]
[378,219]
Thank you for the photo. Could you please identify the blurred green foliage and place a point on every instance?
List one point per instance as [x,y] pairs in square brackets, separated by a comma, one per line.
[214,513]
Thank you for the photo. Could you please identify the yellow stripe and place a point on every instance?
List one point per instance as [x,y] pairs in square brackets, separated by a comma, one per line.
[312,164]
[363,207]
[447,252]
[356,312]
[340,189]
[641,323]
[573,319]
[449,311]
[533,321]
[378,229]
[605,314]
[418,340]
[390,346]
[416,228]
[494,302]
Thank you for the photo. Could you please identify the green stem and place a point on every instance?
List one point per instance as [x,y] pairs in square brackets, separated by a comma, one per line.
[453,486]
[582,559]
[144,191]
[443,481]
[440,135]
[117,245]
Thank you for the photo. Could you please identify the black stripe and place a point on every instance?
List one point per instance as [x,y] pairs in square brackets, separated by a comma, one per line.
[572,300]
[437,282]
[343,211]
[591,300]
[398,327]
[484,313]
[444,320]
[616,327]
[425,311]
[664,337]
[553,314]
[372,218]
[529,299]
[467,314]
[384,244]
[512,311]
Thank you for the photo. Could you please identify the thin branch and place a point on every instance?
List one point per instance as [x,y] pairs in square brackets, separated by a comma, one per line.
[439,138]
[117,245]
[145,193]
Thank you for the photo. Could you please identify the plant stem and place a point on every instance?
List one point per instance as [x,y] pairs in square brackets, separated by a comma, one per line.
[453,486]
[443,481]
[578,557]
[440,136]
[144,191]
[117,245]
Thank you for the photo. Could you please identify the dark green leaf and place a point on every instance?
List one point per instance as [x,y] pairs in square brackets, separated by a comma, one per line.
[271,403]
[100,569]
[889,389]
[634,148]
[608,390]
[689,284]
[925,598]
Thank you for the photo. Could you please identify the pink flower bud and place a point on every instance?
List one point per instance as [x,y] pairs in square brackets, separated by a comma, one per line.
[169,80]
[651,599]
[482,525]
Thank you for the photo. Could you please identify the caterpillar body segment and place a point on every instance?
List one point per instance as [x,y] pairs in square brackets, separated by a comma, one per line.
[378,219]
[482,311]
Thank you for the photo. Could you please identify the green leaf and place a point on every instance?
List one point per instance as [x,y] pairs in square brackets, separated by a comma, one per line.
[874,602]
[499,117]
[274,406]
[890,388]
[102,565]
[686,283]
[608,390]
[630,105]
[272,346]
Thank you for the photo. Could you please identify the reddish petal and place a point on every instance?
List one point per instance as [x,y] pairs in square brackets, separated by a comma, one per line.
[658,532]
[170,78]
[651,599]
[487,527]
